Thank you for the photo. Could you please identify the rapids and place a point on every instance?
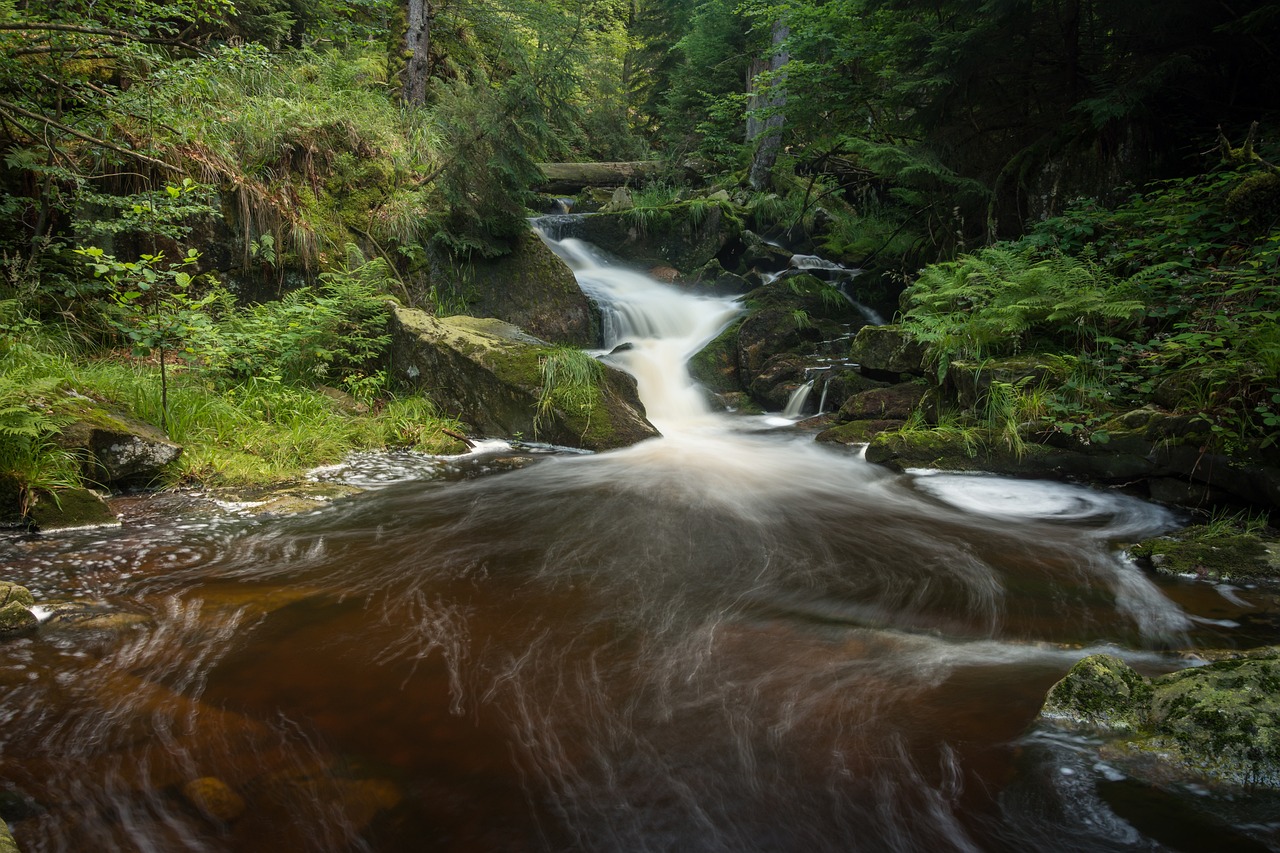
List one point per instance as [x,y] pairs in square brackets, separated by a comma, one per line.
[729,638]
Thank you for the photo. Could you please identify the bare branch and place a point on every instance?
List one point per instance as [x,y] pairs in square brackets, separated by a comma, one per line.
[6,106]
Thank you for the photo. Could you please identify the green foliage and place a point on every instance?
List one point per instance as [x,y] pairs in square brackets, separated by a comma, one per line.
[335,333]
[570,382]
[1169,296]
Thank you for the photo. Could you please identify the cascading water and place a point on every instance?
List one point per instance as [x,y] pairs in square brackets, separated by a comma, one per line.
[729,638]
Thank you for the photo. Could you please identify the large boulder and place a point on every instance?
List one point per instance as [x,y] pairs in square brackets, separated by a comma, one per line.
[117,451]
[685,235]
[489,374]
[888,350]
[529,287]
[1218,723]
[1212,553]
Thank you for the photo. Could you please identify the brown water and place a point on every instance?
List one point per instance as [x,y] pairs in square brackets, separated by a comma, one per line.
[727,639]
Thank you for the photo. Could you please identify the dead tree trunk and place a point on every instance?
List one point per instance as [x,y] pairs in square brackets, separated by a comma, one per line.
[417,44]
[768,135]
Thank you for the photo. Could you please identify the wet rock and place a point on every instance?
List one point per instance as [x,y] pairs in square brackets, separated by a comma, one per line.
[716,365]
[686,235]
[70,509]
[894,402]
[1101,692]
[214,799]
[87,616]
[1212,554]
[1218,723]
[857,432]
[293,499]
[16,618]
[776,380]
[620,200]
[7,844]
[888,350]
[529,287]
[487,372]
[118,451]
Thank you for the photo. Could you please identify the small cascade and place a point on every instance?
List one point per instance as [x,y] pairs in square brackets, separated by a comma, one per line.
[795,405]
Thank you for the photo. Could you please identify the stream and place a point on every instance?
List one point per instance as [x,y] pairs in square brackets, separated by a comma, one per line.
[730,638]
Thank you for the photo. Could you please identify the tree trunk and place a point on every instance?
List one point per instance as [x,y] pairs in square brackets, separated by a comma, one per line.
[770,132]
[417,44]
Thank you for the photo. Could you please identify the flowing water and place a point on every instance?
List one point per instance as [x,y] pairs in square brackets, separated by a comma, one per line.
[730,638]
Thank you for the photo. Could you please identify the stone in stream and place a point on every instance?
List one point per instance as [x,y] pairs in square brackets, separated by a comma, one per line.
[15,610]
[489,374]
[1218,723]
[214,799]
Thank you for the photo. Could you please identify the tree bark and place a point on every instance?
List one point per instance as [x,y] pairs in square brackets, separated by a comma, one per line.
[770,133]
[417,43]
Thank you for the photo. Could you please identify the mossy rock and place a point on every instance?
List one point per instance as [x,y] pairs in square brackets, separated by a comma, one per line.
[857,432]
[488,373]
[1100,692]
[1218,723]
[7,844]
[529,287]
[1212,554]
[70,509]
[686,235]
[971,381]
[16,619]
[888,350]
[117,450]
[894,402]
[716,364]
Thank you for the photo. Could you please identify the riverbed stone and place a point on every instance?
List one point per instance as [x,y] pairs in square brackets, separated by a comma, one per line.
[487,373]
[16,619]
[214,799]
[1100,692]
[7,844]
[1218,723]
[70,509]
[685,235]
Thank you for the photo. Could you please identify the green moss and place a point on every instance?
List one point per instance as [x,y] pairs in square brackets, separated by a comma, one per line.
[1100,691]
[1207,553]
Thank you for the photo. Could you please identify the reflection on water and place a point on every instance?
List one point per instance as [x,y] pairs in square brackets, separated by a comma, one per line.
[726,639]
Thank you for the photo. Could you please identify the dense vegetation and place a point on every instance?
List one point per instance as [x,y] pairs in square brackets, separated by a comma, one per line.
[1068,164]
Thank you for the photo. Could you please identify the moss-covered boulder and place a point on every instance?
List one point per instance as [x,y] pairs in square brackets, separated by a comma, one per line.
[70,509]
[117,451]
[1212,553]
[686,235]
[1218,723]
[857,432]
[7,844]
[888,350]
[15,609]
[489,374]
[893,402]
[529,287]
[1101,692]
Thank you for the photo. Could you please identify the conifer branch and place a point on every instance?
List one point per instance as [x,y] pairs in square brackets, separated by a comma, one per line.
[7,106]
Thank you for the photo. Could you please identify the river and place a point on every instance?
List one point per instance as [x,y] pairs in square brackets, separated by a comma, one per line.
[730,638]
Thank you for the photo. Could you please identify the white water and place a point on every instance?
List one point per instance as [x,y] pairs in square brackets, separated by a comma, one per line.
[795,405]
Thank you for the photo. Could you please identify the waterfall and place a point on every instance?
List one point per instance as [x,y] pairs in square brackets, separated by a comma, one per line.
[650,330]
[795,405]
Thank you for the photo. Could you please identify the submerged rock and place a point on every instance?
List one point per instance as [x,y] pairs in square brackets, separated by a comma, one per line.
[214,799]
[488,373]
[1218,723]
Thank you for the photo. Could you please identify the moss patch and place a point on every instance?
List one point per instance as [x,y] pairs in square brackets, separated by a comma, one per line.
[1207,553]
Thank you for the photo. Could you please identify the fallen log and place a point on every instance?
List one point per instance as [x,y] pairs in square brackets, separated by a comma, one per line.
[571,178]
